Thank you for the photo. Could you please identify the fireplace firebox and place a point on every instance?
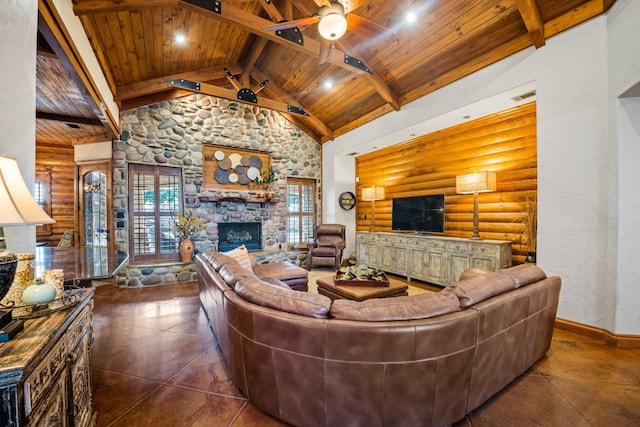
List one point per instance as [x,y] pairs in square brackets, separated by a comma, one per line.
[233,234]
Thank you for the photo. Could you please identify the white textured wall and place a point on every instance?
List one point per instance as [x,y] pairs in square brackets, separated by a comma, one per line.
[624,137]
[18,30]
[576,174]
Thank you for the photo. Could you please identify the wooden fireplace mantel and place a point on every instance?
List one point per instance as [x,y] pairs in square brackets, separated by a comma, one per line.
[261,200]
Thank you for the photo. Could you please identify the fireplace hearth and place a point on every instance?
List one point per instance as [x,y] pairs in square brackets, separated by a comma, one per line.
[233,234]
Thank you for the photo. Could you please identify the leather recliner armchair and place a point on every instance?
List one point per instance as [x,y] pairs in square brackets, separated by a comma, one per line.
[326,249]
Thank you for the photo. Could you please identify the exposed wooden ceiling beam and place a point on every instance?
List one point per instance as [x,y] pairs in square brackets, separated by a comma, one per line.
[277,92]
[168,93]
[68,119]
[91,139]
[253,24]
[533,21]
[221,92]
[159,84]
[243,20]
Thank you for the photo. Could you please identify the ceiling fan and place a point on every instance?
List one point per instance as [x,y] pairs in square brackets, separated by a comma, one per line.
[333,19]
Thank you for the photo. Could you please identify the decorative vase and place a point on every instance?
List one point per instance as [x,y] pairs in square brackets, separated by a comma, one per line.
[186,250]
[8,264]
[531,258]
[23,278]
[39,293]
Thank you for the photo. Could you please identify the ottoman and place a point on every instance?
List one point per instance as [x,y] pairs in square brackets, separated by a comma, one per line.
[327,287]
[285,271]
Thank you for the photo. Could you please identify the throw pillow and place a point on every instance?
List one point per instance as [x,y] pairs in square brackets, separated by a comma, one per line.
[241,255]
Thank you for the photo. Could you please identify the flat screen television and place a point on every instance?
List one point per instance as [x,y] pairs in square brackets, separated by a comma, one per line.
[418,213]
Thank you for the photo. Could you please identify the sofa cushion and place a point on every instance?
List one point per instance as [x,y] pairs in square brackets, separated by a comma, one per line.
[231,272]
[276,282]
[329,240]
[475,272]
[240,254]
[478,288]
[524,274]
[216,259]
[414,307]
[256,291]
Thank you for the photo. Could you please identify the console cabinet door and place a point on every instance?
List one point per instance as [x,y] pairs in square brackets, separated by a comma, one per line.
[416,262]
[386,248]
[80,384]
[436,266]
[53,411]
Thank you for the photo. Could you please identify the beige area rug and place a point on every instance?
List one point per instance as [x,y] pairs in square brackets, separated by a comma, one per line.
[319,273]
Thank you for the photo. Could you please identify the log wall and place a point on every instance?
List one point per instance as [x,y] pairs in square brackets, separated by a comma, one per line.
[504,142]
[60,162]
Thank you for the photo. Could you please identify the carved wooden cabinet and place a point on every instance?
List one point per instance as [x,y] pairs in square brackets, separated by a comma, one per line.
[44,370]
[434,259]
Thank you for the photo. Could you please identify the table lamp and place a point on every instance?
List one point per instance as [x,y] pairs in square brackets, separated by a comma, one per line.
[17,207]
[371,194]
[474,183]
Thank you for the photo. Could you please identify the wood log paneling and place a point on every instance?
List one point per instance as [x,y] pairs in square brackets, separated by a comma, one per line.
[504,142]
[60,162]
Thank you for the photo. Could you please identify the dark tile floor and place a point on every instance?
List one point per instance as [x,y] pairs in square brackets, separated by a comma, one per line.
[155,363]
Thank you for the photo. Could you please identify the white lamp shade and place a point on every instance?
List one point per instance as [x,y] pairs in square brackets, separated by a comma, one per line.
[333,26]
[17,206]
[481,182]
[372,193]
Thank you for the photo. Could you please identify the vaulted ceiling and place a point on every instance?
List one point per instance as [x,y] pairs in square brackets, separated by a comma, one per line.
[326,88]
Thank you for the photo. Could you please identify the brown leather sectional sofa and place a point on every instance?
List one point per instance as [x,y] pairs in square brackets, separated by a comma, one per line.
[423,360]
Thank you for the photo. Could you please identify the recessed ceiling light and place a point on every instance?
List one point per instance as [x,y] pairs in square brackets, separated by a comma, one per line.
[411,17]
[179,38]
[328,84]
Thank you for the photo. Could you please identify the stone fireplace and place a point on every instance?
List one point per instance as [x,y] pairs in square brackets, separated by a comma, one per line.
[233,234]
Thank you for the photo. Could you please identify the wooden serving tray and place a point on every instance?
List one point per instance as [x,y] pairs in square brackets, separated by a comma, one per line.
[339,281]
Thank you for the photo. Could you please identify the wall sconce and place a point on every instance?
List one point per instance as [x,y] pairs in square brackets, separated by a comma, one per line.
[17,208]
[92,187]
[371,194]
[481,182]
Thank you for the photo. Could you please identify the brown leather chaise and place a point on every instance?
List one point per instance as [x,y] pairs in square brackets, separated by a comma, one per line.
[423,360]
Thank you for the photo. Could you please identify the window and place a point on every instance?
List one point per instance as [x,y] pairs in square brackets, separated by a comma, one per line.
[42,196]
[155,192]
[301,210]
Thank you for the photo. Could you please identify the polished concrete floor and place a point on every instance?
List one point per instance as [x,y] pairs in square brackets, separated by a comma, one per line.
[155,363]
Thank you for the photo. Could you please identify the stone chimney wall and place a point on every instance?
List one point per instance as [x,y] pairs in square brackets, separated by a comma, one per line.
[172,133]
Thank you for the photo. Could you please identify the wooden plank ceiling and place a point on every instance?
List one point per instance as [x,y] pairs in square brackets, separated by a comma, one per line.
[226,49]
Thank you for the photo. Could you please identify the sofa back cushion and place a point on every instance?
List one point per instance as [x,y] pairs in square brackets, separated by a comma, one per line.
[231,272]
[524,274]
[256,291]
[421,306]
[475,288]
[216,259]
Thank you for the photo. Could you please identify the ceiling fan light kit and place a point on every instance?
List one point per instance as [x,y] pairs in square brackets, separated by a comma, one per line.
[333,23]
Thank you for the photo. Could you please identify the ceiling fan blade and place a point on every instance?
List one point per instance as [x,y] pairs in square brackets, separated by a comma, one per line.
[303,22]
[365,27]
[351,5]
